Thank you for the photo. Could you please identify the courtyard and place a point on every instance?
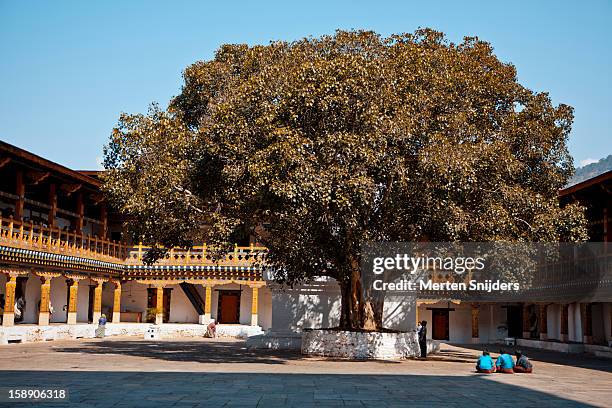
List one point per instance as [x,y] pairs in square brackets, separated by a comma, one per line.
[131,372]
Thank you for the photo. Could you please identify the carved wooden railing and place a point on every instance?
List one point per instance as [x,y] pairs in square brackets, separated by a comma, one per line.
[202,255]
[38,237]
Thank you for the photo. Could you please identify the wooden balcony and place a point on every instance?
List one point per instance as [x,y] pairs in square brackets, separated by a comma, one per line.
[241,262]
[37,237]
[201,255]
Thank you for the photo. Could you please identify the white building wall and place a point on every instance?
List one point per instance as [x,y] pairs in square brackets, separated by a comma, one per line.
[32,297]
[181,309]
[399,313]
[264,318]
[574,323]
[553,321]
[58,300]
[315,305]
[497,326]
[460,324]
[83,300]
[134,298]
[246,303]
[492,322]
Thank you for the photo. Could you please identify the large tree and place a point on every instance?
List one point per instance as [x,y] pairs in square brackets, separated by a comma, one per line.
[334,141]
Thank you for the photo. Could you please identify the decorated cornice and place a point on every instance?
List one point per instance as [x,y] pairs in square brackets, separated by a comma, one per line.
[26,260]
[203,282]
[14,272]
[45,259]
[75,276]
[47,275]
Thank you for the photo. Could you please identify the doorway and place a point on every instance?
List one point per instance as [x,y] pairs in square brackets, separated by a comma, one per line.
[67,306]
[440,326]
[151,304]
[228,310]
[514,317]
[90,307]
[20,297]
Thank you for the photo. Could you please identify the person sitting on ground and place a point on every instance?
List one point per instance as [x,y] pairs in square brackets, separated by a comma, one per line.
[211,330]
[523,365]
[485,363]
[504,363]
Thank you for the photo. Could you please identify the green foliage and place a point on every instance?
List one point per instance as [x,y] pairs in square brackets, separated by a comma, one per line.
[338,140]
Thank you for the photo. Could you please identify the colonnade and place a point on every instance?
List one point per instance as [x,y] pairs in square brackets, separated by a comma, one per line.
[44,313]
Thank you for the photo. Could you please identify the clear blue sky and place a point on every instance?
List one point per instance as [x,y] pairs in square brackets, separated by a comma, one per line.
[67,69]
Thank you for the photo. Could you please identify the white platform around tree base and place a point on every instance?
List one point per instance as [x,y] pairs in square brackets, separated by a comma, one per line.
[329,343]
[360,345]
[34,333]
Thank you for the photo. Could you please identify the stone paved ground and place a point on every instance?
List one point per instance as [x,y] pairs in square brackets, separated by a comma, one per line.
[128,372]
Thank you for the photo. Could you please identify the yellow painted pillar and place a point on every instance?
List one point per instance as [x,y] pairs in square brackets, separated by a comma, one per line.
[254,301]
[97,303]
[8,317]
[45,296]
[475,323]
[159,305]
[72,302]
[208,304]
[117,303]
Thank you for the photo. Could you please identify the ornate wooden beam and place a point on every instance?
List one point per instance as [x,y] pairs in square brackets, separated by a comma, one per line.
[96,198]
[70,189]
[20,192]
[52,205]
[35,177]
[80,210]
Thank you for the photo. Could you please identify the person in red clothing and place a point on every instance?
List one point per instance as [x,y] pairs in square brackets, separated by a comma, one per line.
[523,365]
[211,330]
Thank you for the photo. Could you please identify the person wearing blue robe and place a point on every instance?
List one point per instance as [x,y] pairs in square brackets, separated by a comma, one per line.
[504,363]
[485,363]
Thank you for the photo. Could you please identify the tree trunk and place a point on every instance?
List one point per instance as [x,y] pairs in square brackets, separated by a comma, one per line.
[345,305]
[356,313]
[373,312]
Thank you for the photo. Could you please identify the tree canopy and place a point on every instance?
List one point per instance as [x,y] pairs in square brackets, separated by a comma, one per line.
[334,141]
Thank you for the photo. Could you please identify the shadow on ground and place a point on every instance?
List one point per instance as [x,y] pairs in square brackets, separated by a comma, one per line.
[164,389]
[581,360]
[192,351]
[236,352]
[453,356]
